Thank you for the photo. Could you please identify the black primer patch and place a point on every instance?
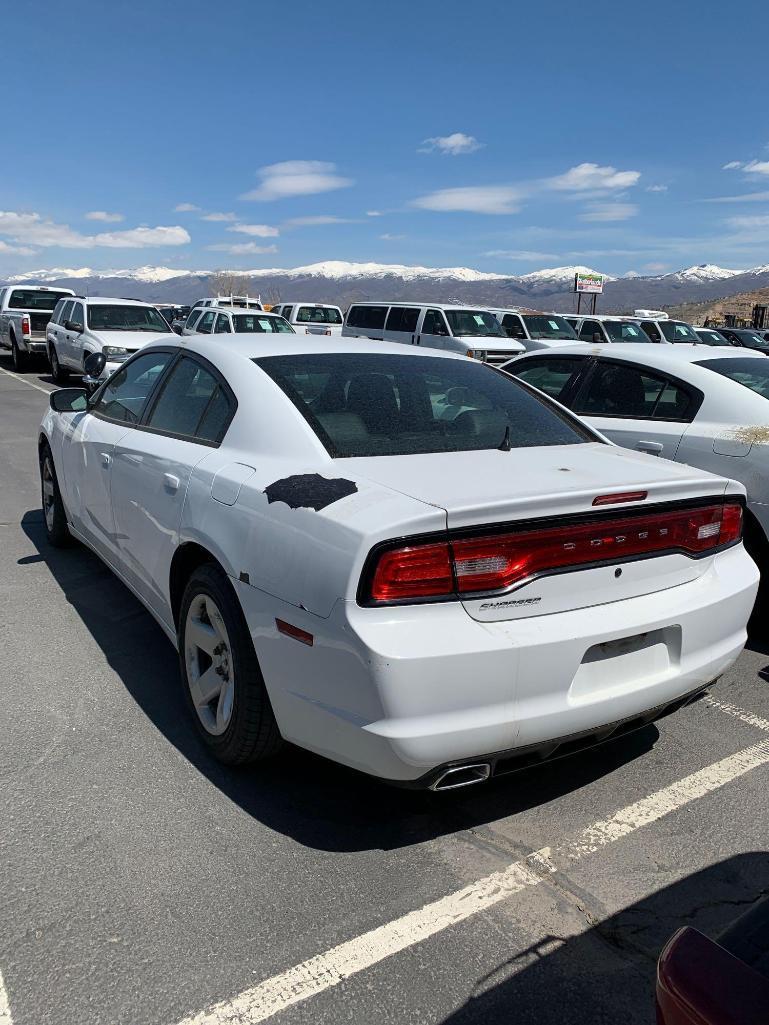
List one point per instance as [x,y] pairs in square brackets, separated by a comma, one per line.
[309,491]
[244,578]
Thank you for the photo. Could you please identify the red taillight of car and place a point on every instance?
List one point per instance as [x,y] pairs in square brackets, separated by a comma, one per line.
[498,562]
[26,328]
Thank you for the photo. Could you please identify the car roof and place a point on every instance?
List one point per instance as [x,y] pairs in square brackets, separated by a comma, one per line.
[419,302]
[245,310]
[325,306]
[105,300]
[661,356]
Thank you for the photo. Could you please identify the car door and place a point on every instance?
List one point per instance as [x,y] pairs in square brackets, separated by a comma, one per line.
[151,469]
[401,324]
[434,330]
[637,407]
[72,352]
[556,376]
[589,329]
[55,331]
[513,327]
[89,443]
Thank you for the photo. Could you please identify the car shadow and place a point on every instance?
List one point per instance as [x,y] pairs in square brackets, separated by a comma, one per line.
[607,974]
[319,803]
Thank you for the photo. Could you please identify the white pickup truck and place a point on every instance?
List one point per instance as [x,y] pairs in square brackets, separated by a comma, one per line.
[24,314]
[312,318]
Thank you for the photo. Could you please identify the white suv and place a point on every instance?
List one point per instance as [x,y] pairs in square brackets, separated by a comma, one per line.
[312,318]
[81,326]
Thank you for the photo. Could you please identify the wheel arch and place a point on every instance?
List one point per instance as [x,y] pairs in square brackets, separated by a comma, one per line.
[186,559]
[755,540]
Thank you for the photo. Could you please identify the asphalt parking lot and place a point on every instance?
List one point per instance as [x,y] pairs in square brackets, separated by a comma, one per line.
[144,884]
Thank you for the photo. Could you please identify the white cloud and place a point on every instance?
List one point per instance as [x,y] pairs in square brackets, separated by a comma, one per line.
[373,213]
[186,208]
[387,237]
[756,167]
[746,197]
[733,165]
[318,219]
[656,188]
[33,229]
[522,256]
[241,248]
[219,217]
[18,250]
[656,268]
[451,145]
[102,215]
[593,177]
[477,199]
[748,221]
[609,212]
[297,178]
[258,230]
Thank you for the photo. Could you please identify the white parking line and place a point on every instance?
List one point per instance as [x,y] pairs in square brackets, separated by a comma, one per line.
[333,966]
[750,718]
[5,1007]
[37,387]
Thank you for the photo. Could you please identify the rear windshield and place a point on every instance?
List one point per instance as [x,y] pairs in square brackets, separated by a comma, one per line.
[677,331]
[34,299]
[372,404]
[318,315]
[549,326]
[474,323]
[125,318]
[253,323]
[622,331]
[750,371]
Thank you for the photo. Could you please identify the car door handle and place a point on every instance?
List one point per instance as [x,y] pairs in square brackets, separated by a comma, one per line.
[652,447]
[170,482]
[106,458]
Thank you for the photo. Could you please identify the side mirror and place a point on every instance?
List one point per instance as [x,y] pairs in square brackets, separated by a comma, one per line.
[74,325]
[94,367]
[69,400]
[176,328]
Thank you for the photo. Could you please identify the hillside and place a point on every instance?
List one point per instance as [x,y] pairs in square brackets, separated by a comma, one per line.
[741,305]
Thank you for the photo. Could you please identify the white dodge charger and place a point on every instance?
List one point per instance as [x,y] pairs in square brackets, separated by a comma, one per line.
[410,563]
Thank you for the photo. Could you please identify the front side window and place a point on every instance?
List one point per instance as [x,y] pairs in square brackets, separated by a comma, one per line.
[193,316]
[287,311]
[103,317]
[617,390]
[77,316]
[749,371]
[590,328]
[402,318]
[651,330]
[260,323]
[65,313]
[125,395]
[191,404]
[206,323]
[548,325]
[474,323]
[513,326]
[318,315]
[555,377]
[434,324]
[677,331]
[34,299]
[222,324]
[370,404]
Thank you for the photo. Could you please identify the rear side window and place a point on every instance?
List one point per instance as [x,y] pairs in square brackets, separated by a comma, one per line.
[370,404]
[555,377]
[192,404]
[370,317]
[617,390]
[402,318]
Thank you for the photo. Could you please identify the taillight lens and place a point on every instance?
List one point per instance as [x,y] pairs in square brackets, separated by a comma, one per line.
[498,562]
[25,326]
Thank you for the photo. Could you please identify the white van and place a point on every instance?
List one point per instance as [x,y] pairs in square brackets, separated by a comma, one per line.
[311,318]
[467,329]
[535,330]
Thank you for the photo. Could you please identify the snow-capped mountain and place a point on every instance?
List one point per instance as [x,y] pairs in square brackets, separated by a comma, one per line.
[705,272]
[561,275]
[146,274]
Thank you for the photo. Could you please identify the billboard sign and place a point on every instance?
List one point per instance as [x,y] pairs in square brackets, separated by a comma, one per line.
[588,282]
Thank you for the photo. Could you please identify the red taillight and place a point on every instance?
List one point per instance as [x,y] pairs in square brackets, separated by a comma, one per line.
[25,325]
[621,498]
[419,571]
[498,562]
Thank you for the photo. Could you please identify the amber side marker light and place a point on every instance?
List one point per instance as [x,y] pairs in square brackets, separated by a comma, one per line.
[293,631]
[626,496]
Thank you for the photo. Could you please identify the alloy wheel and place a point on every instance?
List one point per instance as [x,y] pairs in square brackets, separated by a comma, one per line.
[208,660]
[49,493]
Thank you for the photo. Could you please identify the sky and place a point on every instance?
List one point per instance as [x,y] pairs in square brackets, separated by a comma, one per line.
[503,136]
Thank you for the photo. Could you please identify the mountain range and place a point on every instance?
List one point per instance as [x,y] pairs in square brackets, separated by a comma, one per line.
[341,282]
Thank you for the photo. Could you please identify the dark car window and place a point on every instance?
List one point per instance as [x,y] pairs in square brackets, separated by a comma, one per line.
[191,404]
[513,327]
[435,324]
[402,318]
[65,313]
[318,315]
[750,371]
[554,376]
[33,299]
[370,404]
[222,324]
[625,331]
[102,317]
[206,322]
[77,314]
[617,390]
[125,395]
[652,330]
[369,317]
[709,337]
[590,328]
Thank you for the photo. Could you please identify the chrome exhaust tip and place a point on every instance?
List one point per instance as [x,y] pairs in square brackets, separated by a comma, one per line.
[462,776]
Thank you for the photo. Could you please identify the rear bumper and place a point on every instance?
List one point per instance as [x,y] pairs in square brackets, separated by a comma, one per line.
[402,692]
[33,343]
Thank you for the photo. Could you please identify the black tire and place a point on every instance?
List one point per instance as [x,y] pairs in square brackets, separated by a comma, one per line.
[54,514]
[59,375]
[757,548]
[252,733]
[20,359]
